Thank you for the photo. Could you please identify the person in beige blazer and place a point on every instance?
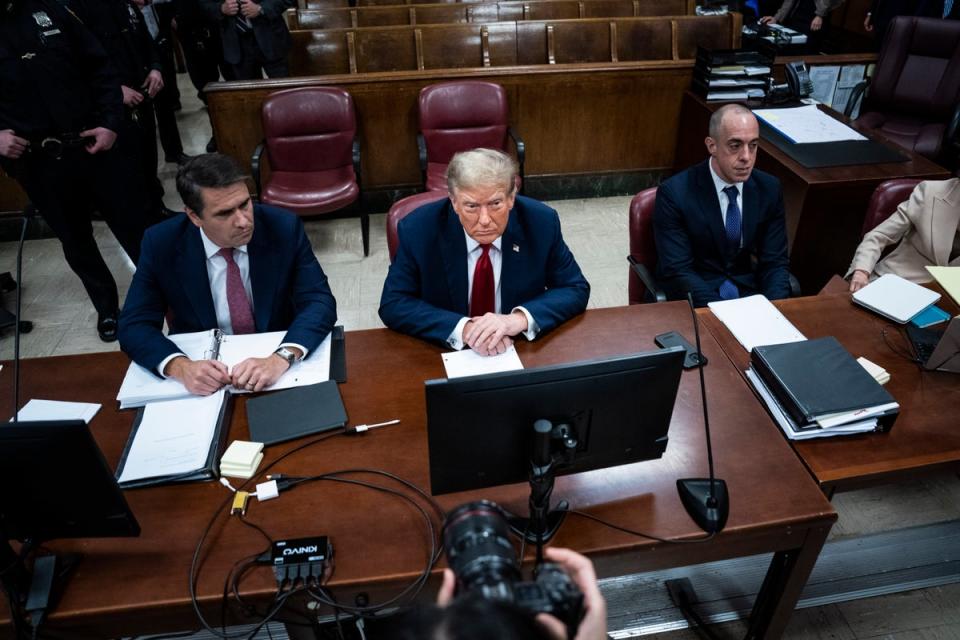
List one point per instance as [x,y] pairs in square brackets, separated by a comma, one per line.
[926,228]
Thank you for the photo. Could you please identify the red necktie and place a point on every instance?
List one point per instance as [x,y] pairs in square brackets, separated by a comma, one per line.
[482,297]
[241,315]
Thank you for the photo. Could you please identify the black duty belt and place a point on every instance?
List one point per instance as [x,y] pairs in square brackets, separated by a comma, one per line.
[55,145]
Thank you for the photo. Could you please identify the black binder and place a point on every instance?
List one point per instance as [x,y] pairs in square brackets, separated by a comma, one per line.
[813,378]
[294,413]
[210,469]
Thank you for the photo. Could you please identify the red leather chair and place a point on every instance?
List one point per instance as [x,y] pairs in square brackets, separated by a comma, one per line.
[314,155]
[400,209]
[643,250]
[885,200]
[914,95]
[459,116]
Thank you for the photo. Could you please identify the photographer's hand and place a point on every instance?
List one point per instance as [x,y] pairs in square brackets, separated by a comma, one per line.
[580,569]
[447,588]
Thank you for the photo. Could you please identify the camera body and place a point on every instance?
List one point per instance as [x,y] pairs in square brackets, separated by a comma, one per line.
[476,539]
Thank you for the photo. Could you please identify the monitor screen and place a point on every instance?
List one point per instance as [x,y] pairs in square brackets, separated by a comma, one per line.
[480,428]
[57,485]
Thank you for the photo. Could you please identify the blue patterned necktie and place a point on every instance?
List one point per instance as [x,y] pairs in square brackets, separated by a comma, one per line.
[728,290]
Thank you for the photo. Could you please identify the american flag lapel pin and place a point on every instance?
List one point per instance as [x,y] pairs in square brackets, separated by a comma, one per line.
[516,248]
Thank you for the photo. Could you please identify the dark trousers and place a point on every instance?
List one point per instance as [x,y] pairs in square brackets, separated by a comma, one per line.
[253,61]
[64,191]
[203,54]
[165,104]
[138,144]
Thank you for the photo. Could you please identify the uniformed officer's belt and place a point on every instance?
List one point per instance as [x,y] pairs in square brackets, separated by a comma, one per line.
[54,146]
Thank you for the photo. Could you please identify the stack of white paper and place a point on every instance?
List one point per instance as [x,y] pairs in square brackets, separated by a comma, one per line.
[755,322]
[57,410]
[470,363]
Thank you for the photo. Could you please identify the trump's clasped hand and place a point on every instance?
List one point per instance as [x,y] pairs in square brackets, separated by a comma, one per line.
[492,333]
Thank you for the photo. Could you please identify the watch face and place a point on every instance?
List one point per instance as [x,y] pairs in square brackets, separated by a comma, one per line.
[286,354]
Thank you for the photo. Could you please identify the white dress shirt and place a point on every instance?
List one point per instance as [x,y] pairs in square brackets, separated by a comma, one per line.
[217,275]
[719,184]
[474,251]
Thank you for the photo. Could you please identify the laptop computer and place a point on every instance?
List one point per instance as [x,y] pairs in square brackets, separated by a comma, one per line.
[937,350]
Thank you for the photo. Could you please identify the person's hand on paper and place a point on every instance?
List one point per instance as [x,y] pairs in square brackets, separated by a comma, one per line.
[200,377]
[492,333]
[816,24]
[768,20]
[256,374]
[859,280]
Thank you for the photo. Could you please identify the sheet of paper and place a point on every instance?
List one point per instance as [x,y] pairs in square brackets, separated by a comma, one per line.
[173,438]
[850,76]
[949,279]
[469,363]
[807,124]
[824,83]
[57,410]
[755,322]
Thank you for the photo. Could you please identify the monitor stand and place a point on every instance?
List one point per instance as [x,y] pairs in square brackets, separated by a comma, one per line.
[553,447]
[32,590]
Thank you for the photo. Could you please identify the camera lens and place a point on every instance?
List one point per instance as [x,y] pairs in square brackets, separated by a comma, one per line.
[476,539]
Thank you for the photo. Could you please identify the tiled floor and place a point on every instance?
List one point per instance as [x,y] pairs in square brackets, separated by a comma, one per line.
[596,230]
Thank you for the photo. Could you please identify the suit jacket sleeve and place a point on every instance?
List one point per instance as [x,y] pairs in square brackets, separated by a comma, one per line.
[275,8]
[675,250]
[567,291]
[211,10]
[140,328]
[315,309]
[402,307]
[773,276]
[888,232]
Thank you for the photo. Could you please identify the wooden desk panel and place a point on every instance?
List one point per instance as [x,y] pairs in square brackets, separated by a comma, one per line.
[824,206]
[925,436]
[128,586]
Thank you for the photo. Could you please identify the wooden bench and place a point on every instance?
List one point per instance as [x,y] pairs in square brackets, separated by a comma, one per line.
[442,13]
[499,44]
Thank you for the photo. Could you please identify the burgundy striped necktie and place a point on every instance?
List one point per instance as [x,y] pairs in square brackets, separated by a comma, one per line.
[241,315]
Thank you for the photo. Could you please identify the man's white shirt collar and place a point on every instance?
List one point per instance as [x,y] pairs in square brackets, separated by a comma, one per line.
[720,184]
[473,244]
[211,249]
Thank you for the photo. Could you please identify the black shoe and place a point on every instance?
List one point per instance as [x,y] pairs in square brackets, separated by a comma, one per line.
[107,327]
[212,146]
[180,159]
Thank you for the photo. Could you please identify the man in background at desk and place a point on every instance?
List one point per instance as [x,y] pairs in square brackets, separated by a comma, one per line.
[483,266]
[713,219]
[228,264]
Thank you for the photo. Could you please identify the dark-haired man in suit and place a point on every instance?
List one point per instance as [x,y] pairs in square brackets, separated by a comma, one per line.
[229,264]
[719,226]
[483,266]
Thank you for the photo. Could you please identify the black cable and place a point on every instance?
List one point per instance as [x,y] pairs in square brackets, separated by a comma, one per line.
[640,534]
[16,328]
[899,351]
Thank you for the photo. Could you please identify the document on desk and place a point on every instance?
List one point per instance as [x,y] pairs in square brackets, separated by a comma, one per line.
[754,322]
[140,386]
[57,410]
[173,438]
[468,362]
[949,279]
[807,124]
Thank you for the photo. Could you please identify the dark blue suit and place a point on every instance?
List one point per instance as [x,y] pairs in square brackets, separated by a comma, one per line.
[290,290]
[692,251]
[426,294]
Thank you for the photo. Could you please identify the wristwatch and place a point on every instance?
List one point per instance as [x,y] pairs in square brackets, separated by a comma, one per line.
[287,355]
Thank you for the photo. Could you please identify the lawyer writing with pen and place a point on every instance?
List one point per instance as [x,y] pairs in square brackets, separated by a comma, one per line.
[230,264]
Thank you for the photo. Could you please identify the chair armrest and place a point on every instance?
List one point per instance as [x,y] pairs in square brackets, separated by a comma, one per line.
[855,96]
[356,160]
[795,291]
[647,278]
[255,166]
[952,127]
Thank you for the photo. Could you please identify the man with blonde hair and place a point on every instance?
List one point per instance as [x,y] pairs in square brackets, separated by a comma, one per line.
[483,266]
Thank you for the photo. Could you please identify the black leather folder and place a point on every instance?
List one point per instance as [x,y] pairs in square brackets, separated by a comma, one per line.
[814,378]
[294,413]
[211,467]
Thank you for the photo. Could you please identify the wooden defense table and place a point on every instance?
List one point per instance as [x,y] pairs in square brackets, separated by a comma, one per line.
[136,585]
[825,206]
[925,436]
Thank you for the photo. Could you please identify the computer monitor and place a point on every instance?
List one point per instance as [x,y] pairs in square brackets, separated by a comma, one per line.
[57,485]
[480,428]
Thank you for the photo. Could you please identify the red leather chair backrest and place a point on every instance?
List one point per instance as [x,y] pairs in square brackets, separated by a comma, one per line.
[458,116]
[642,246]
[297,123]
[918,71]
[400,209]
[885,200]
